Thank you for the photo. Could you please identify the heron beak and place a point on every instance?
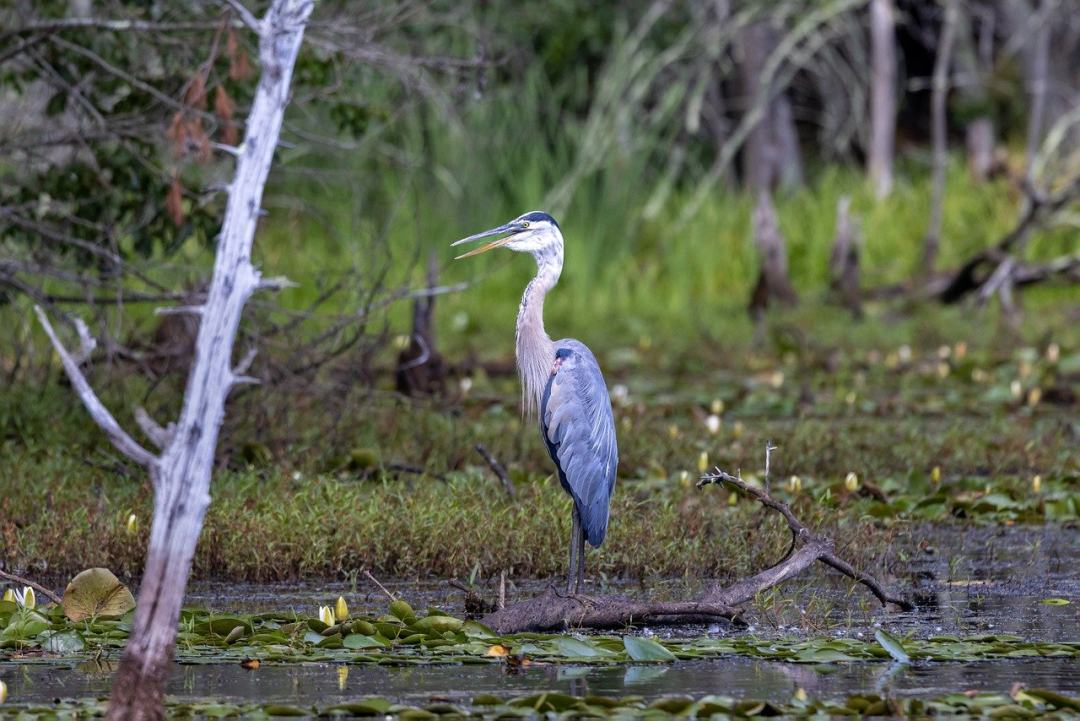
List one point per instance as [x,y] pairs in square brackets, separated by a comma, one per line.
[507,228]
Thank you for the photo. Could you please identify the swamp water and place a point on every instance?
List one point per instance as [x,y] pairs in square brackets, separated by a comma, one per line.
[988,582]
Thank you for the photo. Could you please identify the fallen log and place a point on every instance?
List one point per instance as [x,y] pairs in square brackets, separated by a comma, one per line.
[553,611]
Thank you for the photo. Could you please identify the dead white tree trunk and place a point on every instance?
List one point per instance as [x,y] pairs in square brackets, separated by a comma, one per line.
[181,473]
[939,137]
[883,96]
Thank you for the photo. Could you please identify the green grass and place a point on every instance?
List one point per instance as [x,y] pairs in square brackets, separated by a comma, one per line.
[310,482]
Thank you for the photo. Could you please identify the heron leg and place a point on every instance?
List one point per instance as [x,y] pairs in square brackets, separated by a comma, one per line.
[580,559]
[575,532]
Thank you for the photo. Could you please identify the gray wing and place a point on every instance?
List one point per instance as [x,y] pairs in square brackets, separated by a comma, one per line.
[579,430]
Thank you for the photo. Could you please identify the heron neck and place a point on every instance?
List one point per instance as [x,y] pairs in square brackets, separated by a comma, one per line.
[535,351]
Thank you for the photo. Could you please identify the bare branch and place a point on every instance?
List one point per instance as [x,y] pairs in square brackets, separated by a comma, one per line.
[27,582]
[117,435]
[245,16]
[498,470]
[161,436]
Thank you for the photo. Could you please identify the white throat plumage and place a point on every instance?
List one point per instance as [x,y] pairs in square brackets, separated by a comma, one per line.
[535,351]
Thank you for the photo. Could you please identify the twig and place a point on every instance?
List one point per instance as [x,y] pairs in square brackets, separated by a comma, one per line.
[769,448]
[381,587]
[815,548]
[498,469]
[502,590]
[37,587]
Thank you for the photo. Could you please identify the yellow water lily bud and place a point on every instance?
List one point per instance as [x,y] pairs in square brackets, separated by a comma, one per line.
[1016,389]
[326,615]
[851,482]
[3,692]
[794,484]
[713,423]
[401,342]
[717,406]
[132,524]
[892,360]
[29,598]
[1036,484]
[738,429]
[703,461]
[684,478]
[1053,353]
[9,595]
[733,499]
[673,431]
[943,370]
[935,475]
[341,609]
[342,677]
[776,379]
[1034,396]
[800,694]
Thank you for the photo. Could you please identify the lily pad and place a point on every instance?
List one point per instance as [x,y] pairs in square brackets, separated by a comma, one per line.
[96,593]
[646,649]
[892,644]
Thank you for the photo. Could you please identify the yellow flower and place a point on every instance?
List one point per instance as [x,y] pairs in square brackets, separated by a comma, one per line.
[1016,390]
[1034,396]
[132,524]
[935,475]
[800,694]
[3,692]
[703,461]
[1053,353]
[673,431]
[1036,484]
[326,615]
[713,423]
[794,484]
[737,429]
[717,406]
[9,595]
[341,609]
[684,478]
[851,482]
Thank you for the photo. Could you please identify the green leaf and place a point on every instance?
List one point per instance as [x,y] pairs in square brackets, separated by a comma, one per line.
[359,640]
[892,644]
[575,648]
[1055,602]
[96,593]
[67,642]
[646,649]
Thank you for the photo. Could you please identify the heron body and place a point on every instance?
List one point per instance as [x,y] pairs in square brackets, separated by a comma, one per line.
[562,384]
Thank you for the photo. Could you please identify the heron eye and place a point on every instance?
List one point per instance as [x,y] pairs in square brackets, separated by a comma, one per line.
[524,224]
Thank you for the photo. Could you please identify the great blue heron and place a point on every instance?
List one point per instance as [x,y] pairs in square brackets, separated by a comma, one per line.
[561,382]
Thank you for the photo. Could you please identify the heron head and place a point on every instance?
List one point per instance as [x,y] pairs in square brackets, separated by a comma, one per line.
[534,232]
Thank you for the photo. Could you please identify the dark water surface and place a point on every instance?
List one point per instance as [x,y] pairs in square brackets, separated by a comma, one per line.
[737,677]
[965,581]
